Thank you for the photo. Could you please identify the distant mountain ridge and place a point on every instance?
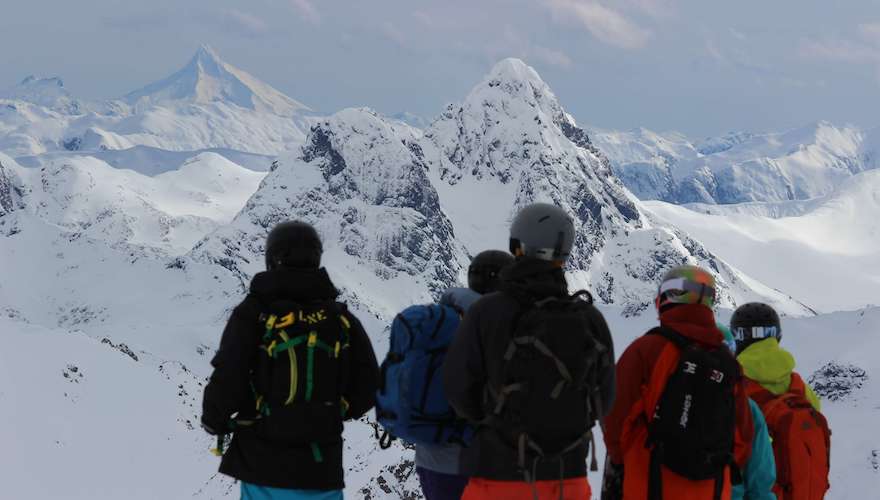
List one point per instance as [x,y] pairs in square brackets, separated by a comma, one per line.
[799,164]
[207,104]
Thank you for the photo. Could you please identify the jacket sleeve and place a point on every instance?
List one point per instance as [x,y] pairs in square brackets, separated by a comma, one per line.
[760,473]
[228,388]
[464,372]
[629,378]
[363,376]
[607,377]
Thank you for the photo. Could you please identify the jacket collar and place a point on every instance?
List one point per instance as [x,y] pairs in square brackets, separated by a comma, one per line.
[294,284]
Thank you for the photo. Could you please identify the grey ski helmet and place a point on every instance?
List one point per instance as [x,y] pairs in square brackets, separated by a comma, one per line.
[542,231]
[293,244]
[485,270]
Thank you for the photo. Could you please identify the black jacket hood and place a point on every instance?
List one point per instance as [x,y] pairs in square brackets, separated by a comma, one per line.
[534,278]
[294,284]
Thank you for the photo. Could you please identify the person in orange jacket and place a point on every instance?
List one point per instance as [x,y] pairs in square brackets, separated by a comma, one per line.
[637,466]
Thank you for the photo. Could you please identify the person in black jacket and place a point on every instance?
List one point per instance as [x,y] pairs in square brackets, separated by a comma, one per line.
[534,433]
[271,467]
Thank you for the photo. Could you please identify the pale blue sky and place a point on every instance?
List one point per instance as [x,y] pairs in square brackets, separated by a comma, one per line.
[701,67]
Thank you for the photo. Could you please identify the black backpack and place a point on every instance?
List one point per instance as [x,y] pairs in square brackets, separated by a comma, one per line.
[544,400]
[694,422]
[301,372]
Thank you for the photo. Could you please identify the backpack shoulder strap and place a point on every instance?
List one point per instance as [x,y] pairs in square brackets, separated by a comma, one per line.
[797,385]
[759,394]
[671,335]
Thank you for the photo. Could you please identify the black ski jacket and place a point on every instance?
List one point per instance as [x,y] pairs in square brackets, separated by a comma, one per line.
[478,349]
[250,458]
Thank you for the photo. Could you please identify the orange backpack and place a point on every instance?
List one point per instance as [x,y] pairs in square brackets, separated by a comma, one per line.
[801,441]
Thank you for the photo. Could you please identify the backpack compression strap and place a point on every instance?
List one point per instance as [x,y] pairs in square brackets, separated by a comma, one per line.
[655,473]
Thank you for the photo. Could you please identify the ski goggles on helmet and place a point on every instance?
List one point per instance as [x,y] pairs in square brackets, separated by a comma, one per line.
[742,333]
[685,291]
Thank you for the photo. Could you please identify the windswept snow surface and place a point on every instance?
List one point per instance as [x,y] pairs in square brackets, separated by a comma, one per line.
[167,213]
[826,255]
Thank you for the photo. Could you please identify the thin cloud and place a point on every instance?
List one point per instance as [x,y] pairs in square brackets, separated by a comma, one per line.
[604,23]
[243,23]
[306,10]
[512,42]
[864,48]
[551,57]
[392,33]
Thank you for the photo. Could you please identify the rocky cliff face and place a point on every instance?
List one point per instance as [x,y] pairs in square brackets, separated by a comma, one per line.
[362,181]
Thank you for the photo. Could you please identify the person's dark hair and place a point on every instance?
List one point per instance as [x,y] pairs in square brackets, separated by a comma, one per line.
[485,270]
[293,244]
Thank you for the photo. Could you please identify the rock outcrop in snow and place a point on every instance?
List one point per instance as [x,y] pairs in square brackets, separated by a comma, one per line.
[6,191]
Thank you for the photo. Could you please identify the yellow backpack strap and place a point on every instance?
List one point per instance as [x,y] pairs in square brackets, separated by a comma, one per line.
[270,327]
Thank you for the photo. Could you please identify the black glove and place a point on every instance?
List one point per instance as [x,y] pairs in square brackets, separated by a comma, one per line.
[612,481]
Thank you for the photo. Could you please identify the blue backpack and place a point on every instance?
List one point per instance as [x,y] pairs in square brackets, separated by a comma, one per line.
[411,404]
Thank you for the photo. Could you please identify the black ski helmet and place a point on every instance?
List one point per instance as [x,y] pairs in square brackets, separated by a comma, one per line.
[485,269]
[754,322]
[293,244]
[542,231]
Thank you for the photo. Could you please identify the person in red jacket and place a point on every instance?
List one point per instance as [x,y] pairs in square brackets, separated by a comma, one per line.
[684,302]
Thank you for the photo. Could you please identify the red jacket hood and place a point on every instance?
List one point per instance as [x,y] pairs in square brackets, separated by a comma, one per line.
[694,321]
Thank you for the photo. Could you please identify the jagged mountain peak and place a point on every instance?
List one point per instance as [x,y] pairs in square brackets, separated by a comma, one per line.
[207,78]
[360,178]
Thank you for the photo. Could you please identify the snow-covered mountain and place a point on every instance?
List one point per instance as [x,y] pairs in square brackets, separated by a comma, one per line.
[799,164]
[206,79]
[206,104]
[49,93]
[404,205]
[362,181]
[510,143]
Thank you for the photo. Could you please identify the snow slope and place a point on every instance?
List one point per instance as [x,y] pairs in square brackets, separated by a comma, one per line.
[826,254]
[166,214]
[149,160]
[798,164]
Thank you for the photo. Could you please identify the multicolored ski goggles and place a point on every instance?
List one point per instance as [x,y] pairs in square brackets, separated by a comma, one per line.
[685,291]
[742,333]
